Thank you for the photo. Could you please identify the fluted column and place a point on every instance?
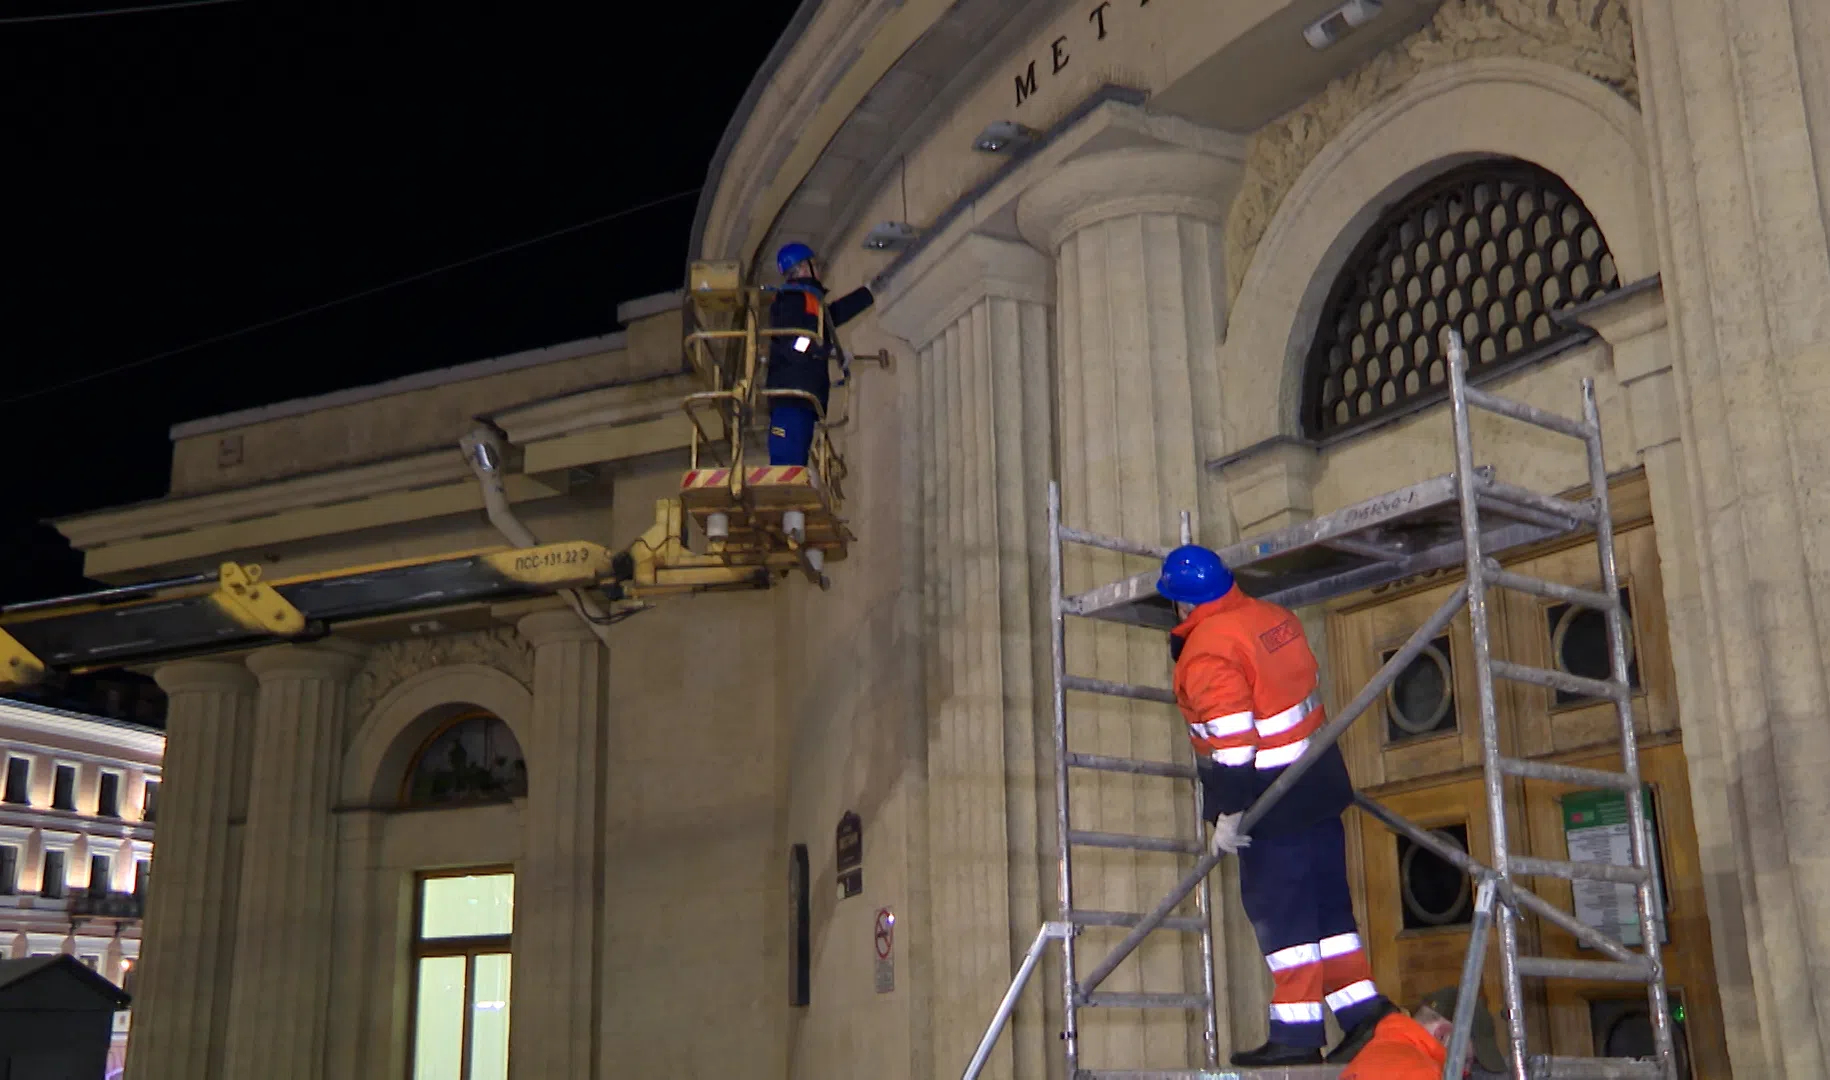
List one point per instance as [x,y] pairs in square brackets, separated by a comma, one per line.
[557,938]
[1737,95]
[978,316]
[280,998]
[180,1012]
[1137,239]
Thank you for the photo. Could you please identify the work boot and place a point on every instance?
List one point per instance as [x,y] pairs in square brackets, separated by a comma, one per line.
[1273,1054]
[1356,1039]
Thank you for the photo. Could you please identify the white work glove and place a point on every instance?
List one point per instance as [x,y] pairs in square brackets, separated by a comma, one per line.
[1226,835]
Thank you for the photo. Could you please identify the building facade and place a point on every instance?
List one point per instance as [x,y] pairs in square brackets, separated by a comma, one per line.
[77,808]
[803,834]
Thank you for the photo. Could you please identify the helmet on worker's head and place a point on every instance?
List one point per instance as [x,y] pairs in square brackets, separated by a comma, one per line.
[791,256]
[1193,575]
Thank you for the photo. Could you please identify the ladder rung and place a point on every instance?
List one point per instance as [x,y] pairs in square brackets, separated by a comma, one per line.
[1561,680]
[1185,923]
[1587,598]
[1146,1001]
[1553,967]
[1133,843]
[1562,508]
[1545,1067]
[1118,689]
[1565,774]
[1112,543]
[1530,414]
[1570,871]
[1130,765]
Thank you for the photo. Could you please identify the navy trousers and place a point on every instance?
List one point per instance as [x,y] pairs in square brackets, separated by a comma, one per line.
[1294,885]
[791,426]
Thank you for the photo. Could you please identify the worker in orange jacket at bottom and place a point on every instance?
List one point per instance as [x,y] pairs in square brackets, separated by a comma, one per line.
[1416,1046]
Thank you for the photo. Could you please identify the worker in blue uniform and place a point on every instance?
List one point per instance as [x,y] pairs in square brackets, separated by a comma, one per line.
[1246,681]
[801,361]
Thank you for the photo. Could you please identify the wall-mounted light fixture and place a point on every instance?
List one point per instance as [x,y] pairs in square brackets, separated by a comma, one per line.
[1002,135]
[1340,22]
[890,236]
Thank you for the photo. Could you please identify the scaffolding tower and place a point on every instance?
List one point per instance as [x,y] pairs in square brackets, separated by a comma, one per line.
[1464,518]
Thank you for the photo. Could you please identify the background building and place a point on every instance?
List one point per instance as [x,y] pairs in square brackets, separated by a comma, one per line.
[1210,273]
[77,808]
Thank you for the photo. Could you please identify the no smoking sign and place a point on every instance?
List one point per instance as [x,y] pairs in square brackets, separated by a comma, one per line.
[884,936]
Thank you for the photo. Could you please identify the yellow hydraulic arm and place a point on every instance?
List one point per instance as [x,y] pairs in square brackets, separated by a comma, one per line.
[235,608]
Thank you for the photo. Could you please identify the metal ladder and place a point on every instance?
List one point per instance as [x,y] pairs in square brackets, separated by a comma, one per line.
[1464,518]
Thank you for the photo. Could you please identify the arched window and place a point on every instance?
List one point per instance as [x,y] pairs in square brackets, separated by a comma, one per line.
[473,757]
[1491,249]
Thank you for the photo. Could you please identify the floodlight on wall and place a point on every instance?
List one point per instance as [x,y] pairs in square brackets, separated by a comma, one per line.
[1340,22]
[1002,135]
[890,236]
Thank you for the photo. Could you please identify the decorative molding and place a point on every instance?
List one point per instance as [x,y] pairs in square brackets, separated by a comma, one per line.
[1120,183]
[391,663]
[917,309]
[1591,37]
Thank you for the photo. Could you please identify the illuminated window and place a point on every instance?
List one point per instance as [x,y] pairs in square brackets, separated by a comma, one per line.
[462,953]
[473,758]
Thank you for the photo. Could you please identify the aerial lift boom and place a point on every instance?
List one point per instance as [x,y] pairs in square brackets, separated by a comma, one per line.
[761,523]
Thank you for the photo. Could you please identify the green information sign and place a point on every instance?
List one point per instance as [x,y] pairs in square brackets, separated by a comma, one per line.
[1596,829]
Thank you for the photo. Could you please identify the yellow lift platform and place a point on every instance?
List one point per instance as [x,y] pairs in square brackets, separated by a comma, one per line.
[779,518]
[762,523]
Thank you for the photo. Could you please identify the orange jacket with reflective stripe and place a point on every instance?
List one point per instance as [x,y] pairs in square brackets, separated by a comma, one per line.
[1400,1050]
[1245,679]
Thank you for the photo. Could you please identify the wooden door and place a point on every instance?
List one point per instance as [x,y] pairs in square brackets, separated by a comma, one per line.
[1418,752]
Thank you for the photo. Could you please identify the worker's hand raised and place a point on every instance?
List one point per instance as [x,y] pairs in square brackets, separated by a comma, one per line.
[1227,840]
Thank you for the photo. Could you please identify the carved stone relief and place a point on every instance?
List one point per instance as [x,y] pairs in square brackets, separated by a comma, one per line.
[393,662]
[1593,37]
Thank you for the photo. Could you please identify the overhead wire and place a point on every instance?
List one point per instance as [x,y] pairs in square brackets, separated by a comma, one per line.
[341,300]
[144,9]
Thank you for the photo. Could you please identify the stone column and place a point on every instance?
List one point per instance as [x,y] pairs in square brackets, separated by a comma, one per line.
[1137,236]
[280,998]
[978,316]
[559,890]
[1736,95]
[1635,331]
[181,1011]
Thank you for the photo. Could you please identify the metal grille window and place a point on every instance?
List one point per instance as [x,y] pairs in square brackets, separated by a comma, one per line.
[1490,249]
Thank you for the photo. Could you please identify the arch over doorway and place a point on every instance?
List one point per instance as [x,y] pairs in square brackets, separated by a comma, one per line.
[1565,123]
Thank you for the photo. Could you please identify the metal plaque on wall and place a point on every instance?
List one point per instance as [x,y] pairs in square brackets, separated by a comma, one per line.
[849,843]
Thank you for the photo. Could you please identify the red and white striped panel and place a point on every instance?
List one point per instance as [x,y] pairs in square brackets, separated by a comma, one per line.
[778,474]
[704,478]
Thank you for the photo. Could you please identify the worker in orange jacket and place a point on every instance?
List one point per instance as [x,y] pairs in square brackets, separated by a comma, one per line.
[1415,1047]
[1246,682]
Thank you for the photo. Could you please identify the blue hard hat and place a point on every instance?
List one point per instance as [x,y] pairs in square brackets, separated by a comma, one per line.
[791,256]
[1193,575]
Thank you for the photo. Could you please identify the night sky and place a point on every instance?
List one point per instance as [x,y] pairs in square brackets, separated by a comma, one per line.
[177,175]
